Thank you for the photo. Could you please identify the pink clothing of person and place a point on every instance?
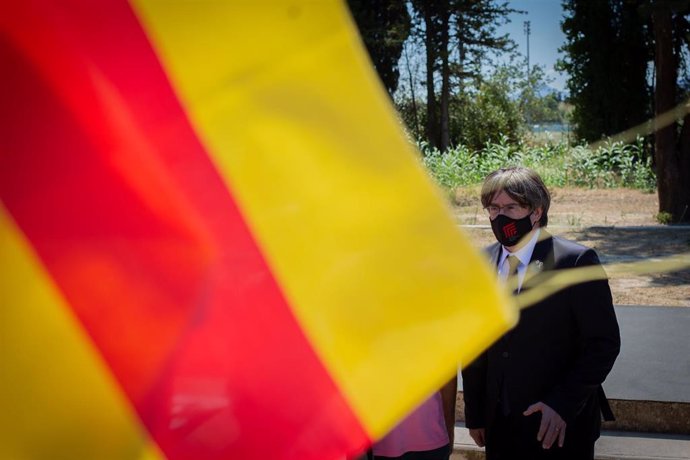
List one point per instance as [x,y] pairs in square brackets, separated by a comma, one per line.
[422,430]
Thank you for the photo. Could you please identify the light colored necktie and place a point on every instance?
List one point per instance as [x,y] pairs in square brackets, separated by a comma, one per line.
[513,264]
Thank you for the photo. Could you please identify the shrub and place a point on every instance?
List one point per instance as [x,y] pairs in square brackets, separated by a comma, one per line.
[610,165]
[664,217]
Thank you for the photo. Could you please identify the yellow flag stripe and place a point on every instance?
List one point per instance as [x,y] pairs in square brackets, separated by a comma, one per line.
[58,399]
[545,284]
[302,132]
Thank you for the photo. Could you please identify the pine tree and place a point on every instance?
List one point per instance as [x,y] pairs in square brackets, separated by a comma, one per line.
[470,27]
[384,25]
[607,52]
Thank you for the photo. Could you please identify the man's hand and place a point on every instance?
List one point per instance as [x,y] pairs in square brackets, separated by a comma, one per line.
[479,436]
[552,425]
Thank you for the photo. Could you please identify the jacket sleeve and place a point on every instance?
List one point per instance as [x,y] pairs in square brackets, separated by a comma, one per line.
[474,375]
[598,341]
[474,392]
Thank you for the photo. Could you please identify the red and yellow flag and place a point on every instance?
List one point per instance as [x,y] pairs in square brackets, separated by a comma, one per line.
[215,241]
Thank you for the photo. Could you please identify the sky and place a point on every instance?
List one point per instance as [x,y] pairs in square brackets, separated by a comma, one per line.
[546,36]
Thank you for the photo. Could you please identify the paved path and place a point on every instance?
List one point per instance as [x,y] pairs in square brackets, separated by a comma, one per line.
[610,446]
[654,364]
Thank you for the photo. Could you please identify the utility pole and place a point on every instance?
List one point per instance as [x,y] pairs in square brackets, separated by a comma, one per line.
[527,29]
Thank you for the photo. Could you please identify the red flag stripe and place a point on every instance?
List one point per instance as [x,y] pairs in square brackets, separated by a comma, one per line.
[119,199]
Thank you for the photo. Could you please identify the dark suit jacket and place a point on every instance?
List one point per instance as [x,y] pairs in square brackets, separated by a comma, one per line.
[559,353]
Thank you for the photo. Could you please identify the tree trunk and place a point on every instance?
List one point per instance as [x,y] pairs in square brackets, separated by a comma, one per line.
[445,82]
[684,171]
[432,126]
[460,85]
[413,83]
[673,194]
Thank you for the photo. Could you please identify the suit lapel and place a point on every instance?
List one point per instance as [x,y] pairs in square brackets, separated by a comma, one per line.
[543,251]
[494,253]
[542,261]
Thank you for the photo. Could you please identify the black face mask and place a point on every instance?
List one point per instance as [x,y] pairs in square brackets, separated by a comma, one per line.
[509,231]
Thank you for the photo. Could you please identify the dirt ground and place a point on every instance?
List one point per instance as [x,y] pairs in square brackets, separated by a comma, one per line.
[620,224]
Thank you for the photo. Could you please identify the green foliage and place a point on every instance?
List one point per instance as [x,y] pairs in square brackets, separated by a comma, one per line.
[538,105]
[462,166]
[490,109]
[664,217]
[476,120]
[611,165]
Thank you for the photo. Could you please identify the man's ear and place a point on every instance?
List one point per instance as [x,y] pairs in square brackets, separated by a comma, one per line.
[536,215]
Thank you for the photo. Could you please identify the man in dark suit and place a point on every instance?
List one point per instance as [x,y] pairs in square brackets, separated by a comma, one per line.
[536,393]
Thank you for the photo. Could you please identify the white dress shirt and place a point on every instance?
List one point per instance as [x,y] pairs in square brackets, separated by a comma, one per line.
[524,254]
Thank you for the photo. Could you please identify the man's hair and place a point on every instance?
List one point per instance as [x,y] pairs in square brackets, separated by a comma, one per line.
[521,184]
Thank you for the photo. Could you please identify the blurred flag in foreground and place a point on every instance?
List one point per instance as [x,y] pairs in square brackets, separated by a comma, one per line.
[215,242]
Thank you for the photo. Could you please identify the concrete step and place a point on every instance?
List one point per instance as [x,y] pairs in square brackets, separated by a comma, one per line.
[650,417]
[639,416]
[613,445]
